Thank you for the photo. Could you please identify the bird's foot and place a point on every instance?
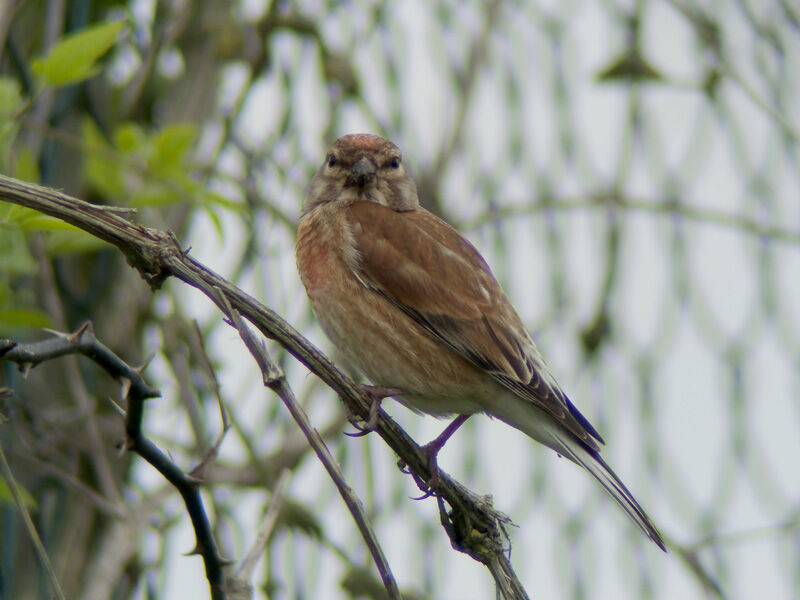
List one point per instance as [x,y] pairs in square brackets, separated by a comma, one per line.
[429,487]
[431,450]
[375,395]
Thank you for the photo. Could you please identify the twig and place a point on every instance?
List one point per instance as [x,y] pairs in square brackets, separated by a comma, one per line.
[223,414]
[708,32]
[656,206]
[275,380]
[211,455]
[245,572]
[112,509]
[477,59]
[31,528]
[736,537]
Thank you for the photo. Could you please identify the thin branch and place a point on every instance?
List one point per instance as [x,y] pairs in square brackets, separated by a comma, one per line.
[625,204]
[8,475]
[112,509]
[240,586]
[747,535]
[212,375]
[708,32]
[275,380]
[265,529]
[213,451]
[692,561]
[477,59]
[475,527]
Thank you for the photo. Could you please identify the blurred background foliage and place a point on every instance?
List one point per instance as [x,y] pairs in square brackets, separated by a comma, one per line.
[630,171]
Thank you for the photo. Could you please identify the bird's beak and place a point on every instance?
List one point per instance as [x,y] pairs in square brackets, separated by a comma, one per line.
[361,172]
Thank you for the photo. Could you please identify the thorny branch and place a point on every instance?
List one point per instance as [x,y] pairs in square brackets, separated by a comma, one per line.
[473,525]
[136,391]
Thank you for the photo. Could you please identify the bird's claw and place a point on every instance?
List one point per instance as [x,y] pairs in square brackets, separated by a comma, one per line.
[362,431]
[429,486]
[428,494]
[375,395]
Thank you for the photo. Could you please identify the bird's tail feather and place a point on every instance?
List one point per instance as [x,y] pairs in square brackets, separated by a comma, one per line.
[592,461]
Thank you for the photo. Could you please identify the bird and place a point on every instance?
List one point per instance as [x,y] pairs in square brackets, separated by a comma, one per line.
[412,305]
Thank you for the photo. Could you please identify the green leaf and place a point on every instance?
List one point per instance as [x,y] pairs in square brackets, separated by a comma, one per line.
[211,198]
[295,515]
[15,259]
[15,215]
[39,222]
[216,222]
[630,66]
[102,167]
[73,58]
[171,144]
[10,96]
[62,242]
[5,495]
[10,100]
[27,168]
[21,318]
[155,196]
[27,219]
[130,138]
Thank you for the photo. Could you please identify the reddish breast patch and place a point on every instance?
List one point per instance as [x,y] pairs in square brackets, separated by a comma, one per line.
[312,257]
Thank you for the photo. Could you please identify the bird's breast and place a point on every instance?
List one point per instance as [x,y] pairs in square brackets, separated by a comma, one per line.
[312,257]
[373,334]
[324,247]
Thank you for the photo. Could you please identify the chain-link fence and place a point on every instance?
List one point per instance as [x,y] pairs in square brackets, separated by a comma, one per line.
[630,172]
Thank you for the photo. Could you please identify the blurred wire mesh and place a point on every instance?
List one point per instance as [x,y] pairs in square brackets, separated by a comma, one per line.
[630,172]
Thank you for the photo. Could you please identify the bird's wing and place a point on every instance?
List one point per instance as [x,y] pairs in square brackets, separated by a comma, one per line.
[429,271]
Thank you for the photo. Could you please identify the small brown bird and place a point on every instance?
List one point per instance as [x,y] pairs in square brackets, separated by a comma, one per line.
[414,306]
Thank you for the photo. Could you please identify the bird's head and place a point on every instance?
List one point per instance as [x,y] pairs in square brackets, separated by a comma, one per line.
[363,167]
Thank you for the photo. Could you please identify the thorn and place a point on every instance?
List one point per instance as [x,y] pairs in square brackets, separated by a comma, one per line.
[75,336]
[125,387]
[124,445]
[58,334]
[25,368]
[140,369]
[196,551]
[120,411]
[191,478]
[87,327]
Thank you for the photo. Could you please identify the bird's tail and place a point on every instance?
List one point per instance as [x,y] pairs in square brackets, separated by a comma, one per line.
[591,460]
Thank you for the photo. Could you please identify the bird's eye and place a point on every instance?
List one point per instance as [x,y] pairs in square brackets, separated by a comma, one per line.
[395,163]
[331,161]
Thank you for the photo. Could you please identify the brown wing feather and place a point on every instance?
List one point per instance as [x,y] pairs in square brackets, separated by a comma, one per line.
[427,269]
